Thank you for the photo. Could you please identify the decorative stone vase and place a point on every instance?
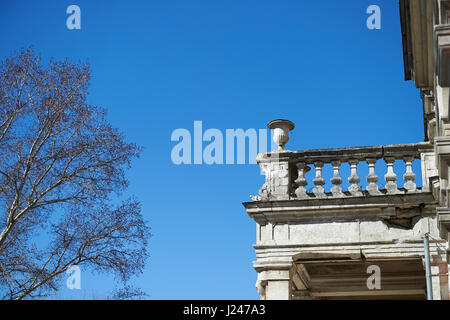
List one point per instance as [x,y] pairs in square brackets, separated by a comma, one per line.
[281,130]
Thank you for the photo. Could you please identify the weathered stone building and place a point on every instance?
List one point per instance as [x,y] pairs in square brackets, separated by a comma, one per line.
[371,242]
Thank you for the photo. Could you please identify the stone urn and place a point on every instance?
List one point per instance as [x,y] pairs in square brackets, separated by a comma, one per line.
[281,130]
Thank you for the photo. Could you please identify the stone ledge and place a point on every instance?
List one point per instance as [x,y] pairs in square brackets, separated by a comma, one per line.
[272,261]
[343,209]
[351,246]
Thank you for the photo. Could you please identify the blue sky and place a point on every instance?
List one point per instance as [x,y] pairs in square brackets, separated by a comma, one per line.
[161,65]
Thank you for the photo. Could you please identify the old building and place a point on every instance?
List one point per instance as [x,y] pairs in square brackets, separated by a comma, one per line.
[370,242]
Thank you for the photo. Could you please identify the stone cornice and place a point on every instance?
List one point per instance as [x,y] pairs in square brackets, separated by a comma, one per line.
[399,206]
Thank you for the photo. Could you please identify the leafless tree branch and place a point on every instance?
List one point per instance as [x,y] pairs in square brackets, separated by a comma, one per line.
[60,161]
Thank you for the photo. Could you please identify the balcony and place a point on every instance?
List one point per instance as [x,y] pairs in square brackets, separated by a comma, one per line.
[289,188]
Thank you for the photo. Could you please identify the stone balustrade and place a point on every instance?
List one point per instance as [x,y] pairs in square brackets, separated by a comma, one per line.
[286,179]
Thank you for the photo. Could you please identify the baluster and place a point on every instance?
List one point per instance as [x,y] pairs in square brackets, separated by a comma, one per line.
[319,191]
[354,189]
[409,175]
[372,178]
[391,177]
[301,180]
[336,180]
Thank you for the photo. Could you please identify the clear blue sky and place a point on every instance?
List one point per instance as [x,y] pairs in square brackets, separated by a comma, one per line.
[160,65]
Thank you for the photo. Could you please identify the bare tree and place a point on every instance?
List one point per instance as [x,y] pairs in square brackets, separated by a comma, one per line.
[61,163]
